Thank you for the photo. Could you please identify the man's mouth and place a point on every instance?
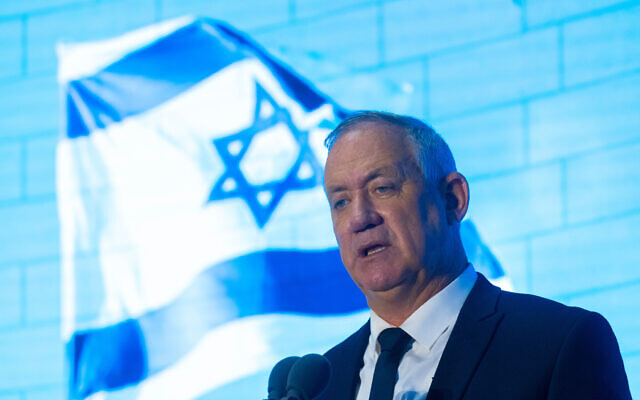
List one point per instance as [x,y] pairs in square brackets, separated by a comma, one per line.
[369,251]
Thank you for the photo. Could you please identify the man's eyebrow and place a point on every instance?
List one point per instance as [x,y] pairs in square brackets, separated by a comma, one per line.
[335,189]
[385,170]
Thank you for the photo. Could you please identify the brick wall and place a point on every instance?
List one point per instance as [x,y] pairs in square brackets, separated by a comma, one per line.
[539,100]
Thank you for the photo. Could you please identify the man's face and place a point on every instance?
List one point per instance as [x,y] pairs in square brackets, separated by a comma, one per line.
[388,222]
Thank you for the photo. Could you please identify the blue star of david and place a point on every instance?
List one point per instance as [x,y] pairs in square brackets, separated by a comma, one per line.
[233,184]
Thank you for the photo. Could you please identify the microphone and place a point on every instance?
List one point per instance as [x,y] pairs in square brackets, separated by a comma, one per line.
[278,378]
[308,377]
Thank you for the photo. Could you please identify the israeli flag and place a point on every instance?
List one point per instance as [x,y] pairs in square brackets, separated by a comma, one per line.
[197,246]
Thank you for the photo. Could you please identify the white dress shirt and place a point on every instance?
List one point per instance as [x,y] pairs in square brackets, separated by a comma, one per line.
[430,326]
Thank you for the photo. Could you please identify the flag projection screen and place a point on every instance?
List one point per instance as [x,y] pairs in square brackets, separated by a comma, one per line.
[197,246]
[163,229]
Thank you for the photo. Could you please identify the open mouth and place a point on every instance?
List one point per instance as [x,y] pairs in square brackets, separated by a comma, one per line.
[375,249]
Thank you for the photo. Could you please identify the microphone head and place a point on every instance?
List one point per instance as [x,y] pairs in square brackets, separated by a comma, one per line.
[278,377]
[309,376]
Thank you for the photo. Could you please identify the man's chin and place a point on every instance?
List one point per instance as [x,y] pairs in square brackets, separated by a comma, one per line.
[382,288]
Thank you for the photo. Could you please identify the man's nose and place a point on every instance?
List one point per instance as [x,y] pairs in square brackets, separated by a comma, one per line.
[364,215]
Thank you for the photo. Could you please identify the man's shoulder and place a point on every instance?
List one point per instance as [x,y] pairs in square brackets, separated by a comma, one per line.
[512,301]
[520,309]
[525,315]
[578,345]
[532,306]
[535,314]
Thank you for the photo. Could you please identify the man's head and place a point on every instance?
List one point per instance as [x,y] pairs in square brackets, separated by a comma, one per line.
[396,202]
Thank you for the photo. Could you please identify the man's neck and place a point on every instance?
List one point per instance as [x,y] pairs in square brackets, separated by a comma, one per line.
[395,307]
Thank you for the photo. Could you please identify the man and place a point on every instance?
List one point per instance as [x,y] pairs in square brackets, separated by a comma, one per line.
[396,204]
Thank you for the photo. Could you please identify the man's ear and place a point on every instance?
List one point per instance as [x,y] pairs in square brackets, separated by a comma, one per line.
[456,196]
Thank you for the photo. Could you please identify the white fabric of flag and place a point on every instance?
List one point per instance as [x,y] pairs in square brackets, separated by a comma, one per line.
[197,246]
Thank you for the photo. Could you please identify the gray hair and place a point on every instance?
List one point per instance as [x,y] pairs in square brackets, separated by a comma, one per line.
[434,155]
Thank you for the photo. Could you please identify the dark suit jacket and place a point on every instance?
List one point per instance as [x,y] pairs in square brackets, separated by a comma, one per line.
[508,346]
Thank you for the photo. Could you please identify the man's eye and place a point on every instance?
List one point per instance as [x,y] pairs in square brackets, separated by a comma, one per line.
[339,204]
[383,189]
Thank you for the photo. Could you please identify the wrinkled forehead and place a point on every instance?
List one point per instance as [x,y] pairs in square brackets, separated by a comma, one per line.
[389,134]
[371,138]
[368,146]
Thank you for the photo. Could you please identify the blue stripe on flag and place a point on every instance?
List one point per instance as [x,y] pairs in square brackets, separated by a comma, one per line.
[276,281]
[154,74]
[111,357]
[146,78]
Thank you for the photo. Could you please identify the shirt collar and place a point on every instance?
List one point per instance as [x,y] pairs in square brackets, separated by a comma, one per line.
[436,315]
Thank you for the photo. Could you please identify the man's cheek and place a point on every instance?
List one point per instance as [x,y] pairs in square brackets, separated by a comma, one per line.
[342,243]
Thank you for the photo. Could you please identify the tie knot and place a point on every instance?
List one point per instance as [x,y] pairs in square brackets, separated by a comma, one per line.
[393,339]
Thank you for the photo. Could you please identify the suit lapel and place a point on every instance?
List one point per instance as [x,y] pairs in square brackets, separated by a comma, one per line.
[469,339]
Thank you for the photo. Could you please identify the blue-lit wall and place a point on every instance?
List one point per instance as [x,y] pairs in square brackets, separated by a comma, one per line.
[539,99]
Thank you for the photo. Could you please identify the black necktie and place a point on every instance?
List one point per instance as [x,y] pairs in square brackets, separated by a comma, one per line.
[393,343]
